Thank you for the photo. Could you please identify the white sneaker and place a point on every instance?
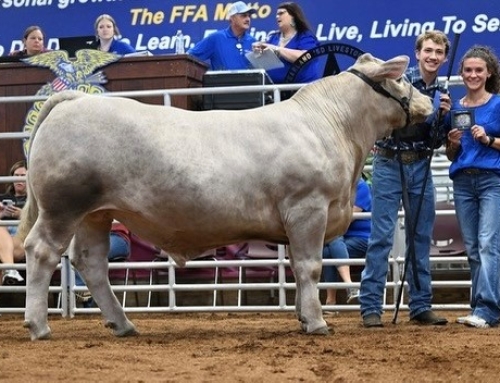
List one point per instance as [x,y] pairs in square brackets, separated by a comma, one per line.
[353,296]
[462,320]
[11,277]
[475,321]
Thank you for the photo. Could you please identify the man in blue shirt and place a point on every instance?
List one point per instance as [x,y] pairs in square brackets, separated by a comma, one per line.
[225,49]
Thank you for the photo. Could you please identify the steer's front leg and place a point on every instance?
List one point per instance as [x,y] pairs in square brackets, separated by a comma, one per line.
[307,300]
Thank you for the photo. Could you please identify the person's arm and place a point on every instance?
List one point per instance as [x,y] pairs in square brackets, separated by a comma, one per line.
[121,47]
[480,135]
[493,142]
[306,42]
[13,212]
[127,48]
[290,55]
[453,143]
[203,50]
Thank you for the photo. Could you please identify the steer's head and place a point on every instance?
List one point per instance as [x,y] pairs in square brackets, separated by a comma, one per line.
[388,79]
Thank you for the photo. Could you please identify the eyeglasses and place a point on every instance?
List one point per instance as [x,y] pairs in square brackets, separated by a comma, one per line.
[279,13]
[240,48]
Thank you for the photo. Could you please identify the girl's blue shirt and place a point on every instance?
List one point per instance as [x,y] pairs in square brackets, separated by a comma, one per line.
[472,153]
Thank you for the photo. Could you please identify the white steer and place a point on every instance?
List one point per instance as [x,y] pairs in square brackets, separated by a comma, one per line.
[191,181]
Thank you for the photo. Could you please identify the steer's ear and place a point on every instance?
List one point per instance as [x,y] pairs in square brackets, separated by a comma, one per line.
[393,68]
[365,57]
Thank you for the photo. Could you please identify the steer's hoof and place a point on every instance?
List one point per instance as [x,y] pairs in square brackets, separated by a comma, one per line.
[322,331]
[318,328]
[127,330]
[36,333]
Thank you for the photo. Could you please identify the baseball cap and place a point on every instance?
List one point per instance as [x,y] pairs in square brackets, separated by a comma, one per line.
[240,7]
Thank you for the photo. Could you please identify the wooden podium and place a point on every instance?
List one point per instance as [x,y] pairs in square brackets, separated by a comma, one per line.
[127,74]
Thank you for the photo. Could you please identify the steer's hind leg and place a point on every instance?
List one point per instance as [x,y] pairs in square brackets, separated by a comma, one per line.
[88,252]
[43,253]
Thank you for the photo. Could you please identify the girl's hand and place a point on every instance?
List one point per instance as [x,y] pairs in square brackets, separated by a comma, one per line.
[454,136]
[12,212]
[479,134]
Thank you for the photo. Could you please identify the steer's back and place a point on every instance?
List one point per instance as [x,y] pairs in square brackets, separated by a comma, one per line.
[177,177]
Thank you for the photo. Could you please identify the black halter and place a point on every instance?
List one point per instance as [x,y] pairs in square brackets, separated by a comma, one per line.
[404,101]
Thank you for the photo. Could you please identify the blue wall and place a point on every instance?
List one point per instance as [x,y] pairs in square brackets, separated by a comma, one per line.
[384,27]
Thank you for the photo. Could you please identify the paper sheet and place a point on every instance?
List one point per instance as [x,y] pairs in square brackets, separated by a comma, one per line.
[266,60]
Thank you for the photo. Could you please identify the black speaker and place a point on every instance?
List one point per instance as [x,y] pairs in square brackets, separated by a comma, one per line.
[236,101]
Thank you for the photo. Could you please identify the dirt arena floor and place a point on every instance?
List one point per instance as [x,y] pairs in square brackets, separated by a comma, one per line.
[248,347]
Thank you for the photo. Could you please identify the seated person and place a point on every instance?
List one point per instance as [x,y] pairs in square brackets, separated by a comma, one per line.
[11,250]
[33,40]
[119,249]
[352,244]
[108,37]
[12,201]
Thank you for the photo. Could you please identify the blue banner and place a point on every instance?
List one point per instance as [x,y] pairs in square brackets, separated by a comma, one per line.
[384,28]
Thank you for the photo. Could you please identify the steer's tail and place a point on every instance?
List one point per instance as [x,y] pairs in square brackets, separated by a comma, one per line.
[29,213]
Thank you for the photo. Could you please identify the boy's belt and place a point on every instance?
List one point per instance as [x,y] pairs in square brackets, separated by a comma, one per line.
[407,156]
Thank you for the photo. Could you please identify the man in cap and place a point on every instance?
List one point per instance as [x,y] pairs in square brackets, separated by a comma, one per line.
[225,49]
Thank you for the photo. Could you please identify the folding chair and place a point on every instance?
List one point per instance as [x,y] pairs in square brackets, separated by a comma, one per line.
[191,273]
[140,251]
[257,250]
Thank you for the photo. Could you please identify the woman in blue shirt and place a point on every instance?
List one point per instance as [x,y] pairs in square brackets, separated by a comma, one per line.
[108,35]
[475,171]
[293,39]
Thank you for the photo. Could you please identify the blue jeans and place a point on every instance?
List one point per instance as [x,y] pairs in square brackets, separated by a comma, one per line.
[119,248]
[342,248]
[477,202]
[387,195]
[12,230]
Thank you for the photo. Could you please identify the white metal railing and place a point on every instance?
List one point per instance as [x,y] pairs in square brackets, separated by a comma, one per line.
[173,286]
[66,291]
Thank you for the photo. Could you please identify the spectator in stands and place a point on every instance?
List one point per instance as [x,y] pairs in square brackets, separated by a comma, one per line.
[293,38]
[108,38]
[11,249]
[474,149]
[414,145]
[33,40]
[352,244]
[119,250]
[225,49]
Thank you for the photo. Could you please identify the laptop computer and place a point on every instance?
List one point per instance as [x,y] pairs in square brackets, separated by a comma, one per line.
[73,44]
[10,59]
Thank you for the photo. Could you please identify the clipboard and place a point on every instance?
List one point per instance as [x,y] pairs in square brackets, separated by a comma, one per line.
[266,60]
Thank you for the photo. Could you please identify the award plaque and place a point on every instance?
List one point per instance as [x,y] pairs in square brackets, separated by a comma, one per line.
[462,119]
